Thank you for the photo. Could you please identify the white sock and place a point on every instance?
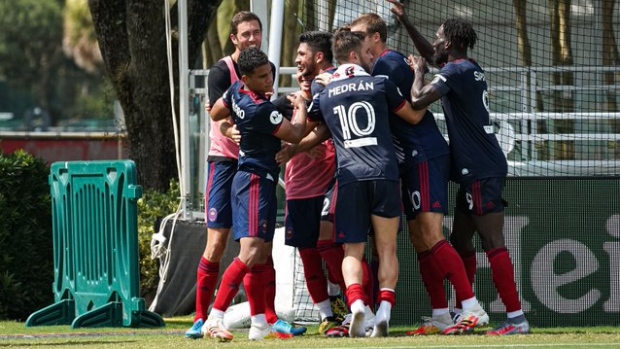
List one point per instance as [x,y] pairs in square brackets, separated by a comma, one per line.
[259,319]
[440,312]
[469,303]
[385,308]
[333,289]
[358,307]
[215,313]
[514,314]
[325,309]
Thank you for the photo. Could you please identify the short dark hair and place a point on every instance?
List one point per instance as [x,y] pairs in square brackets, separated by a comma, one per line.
[374,24]
[346,41]
[243,16]
[460,33]
[251,59]
[318,41]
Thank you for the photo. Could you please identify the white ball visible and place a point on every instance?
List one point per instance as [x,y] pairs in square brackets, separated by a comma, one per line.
[238,316]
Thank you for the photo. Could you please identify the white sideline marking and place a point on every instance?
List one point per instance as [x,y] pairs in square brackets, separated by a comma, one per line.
[499,345]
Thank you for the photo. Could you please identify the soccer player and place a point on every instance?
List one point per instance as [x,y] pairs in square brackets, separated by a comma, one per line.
[253,193]
[246,32]
[308,176]
[355,106]
[424,163]
[479,165]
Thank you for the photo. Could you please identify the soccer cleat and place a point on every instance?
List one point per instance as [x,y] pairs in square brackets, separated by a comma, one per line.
[327,325]
[358,325]
[508,328]
[381,329]
[337,332]
[259,331]
[432,325]
[468,320]
[195,331]
[214,328]
[283,327]
[339,309]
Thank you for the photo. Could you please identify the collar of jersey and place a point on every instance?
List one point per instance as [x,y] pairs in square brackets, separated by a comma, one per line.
[346,71]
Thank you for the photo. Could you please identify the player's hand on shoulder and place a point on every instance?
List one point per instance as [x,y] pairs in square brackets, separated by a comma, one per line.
[297,99]
[417,64]
[324,78]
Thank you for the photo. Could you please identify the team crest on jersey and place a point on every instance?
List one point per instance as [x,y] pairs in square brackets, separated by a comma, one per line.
[212,214]
[289,234]
[275,117]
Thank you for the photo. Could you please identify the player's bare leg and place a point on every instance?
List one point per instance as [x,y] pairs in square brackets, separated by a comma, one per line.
[385,241]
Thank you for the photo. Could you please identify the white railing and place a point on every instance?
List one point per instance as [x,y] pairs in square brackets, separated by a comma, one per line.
[527,84]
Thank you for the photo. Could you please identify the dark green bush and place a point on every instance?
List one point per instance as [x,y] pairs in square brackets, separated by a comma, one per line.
[152,207]
[26,264]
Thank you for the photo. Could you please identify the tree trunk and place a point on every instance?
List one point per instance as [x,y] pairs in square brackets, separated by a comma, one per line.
[559,11]
[131,35]
[290,37]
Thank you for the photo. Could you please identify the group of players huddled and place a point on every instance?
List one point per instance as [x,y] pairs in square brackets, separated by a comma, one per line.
[360,148]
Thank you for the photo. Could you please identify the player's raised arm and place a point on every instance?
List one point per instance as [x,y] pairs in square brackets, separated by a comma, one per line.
[424,47]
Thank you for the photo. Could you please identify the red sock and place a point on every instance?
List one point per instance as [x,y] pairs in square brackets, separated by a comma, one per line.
[254,284]
[503,276]
[451,267]
[469,261]
[433,281]
[232,278]
[368,283]
[269,276]
[333,254]
[388,296]
[355,292]
[313,272]
[206,281]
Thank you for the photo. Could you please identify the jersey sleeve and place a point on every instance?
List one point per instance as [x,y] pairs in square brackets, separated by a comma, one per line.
[395,98]
[441,81]
[284,106]
[314,109]
[218,82]
[227,96]
[268,118]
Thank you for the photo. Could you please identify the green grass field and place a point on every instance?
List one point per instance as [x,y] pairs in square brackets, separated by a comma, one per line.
[16,335]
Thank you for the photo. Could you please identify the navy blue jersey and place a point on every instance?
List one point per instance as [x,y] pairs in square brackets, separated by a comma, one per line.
[355,108]
[465,101]
[315,89]
[414,144]
[257,120]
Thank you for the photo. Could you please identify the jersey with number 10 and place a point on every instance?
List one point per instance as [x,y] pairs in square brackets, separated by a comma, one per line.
[355,108]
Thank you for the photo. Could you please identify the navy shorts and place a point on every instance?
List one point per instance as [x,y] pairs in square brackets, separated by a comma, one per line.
[425,187]
[217,199]
[254,206]
[357,201]
[303,222]
[481,196]
[329,202]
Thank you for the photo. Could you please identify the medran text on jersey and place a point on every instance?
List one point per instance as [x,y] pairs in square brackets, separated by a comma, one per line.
[362,86]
